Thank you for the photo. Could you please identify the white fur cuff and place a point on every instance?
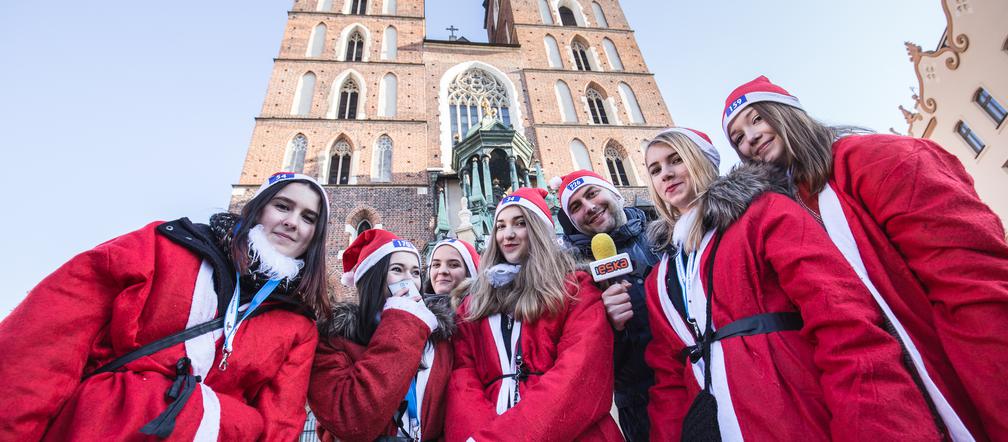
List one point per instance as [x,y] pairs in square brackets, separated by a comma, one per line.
[418,309]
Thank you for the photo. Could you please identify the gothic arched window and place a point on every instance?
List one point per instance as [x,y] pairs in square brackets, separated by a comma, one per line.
[630,102]
[544,13]
[383,159]
[580,56]
[317,40]
[579,155]
[339,163]
[355,47]
[552,52]
[363,225]
[567,16]
[596,104]
[358,7]
[387,95]
[390,45]
[349,92]
[303,94]
[468,93]
[612,54]
[614,162]
[565,101]
[295,155]
[599,16]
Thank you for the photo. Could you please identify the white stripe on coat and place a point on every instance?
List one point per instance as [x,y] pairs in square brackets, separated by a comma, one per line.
[426,360]
[505,395]
[202,349]
[727,419]
[840,233]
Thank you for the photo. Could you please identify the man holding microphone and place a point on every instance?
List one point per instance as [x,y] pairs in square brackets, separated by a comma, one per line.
[592,206]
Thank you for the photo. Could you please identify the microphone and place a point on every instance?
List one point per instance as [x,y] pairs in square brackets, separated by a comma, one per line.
[608,264]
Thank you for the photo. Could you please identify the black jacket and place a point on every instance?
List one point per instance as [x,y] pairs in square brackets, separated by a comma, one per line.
[633,376]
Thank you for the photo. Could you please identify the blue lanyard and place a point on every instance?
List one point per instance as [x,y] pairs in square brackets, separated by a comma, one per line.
[411,402]
[231,320]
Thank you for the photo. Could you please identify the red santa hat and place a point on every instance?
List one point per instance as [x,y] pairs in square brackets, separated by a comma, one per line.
[469,255]
[570,183]
[760,89]
[283,177]
[532,199]
[369,248]
[699,138]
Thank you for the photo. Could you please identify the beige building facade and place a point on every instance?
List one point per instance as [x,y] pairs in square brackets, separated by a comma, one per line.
[962,94]
[400,128]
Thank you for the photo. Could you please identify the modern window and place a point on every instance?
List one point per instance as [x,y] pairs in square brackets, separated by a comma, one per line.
[630,102]
[993,109]
[552,52]
[567,16]
[339,163]
[610,51]
[355,47]
[316,42]
[390,45]
[387,95]
[596,106]
[614,162]
[599,16]
[295,154]
[349,93]
[383,159]
[468,94]
[358,7]
[579,155]
[969,137]
[580,56]
[544,13]
[303,95]
[565,102]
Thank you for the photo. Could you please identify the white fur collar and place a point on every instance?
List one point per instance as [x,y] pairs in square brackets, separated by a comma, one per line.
[683,226]
[272,263]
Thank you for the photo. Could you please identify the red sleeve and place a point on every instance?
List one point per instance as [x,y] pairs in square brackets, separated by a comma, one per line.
[47,339]
[669,398]
[357,399]
[468,408]
[925,202]
[577,390]
[281,402]
[862,374]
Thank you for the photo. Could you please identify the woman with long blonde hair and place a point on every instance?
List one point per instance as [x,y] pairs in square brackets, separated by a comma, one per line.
[533,333]
[906,216]
[760,330]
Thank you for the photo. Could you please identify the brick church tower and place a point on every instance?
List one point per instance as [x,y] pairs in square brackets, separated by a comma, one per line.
[421,137]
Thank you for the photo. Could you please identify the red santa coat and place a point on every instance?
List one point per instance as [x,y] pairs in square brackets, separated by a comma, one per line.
[840,378]
[356,390]
[937,256]
[115,298]
[569,401]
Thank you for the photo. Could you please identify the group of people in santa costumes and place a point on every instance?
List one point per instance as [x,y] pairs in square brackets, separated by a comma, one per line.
[835,285]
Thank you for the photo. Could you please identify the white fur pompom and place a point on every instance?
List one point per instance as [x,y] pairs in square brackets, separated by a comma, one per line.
[347,279]
[555,183]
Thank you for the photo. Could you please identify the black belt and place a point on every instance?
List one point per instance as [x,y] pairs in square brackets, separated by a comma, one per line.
[753,325]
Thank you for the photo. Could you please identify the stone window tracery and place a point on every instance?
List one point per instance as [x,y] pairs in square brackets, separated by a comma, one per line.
[349,93]
[596,104]
[383,159]
[467,95]
[296,149]
[355,47]
[339,163]
[614,162]
[580,56]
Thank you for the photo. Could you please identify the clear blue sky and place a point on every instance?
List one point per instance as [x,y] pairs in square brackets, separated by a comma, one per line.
[114,114]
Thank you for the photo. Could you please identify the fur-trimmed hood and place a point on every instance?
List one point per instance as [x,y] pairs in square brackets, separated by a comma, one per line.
[729,197]
[342,323]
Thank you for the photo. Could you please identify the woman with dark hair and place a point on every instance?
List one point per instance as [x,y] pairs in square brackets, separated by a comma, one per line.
[533,353]
[382,365]
[81,358]
[904,214]
[757,324]
[451,262]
